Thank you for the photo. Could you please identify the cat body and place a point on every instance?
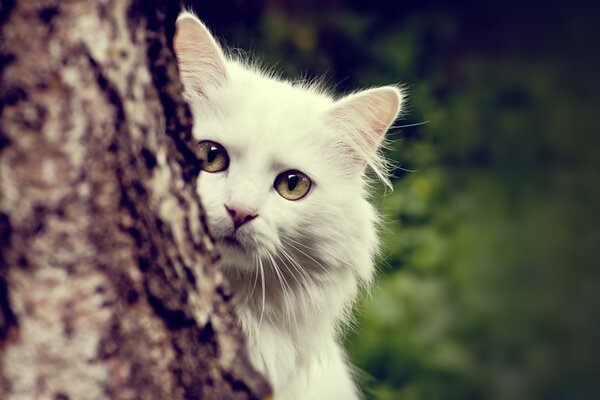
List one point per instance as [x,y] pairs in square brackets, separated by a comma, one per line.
[285,196]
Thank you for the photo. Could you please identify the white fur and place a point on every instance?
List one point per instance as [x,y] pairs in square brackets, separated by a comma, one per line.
[298,275]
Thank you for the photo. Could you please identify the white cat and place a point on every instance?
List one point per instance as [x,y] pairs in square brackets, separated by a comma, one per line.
[285,194]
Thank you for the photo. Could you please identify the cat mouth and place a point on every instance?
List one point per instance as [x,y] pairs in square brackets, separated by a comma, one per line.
[231,241]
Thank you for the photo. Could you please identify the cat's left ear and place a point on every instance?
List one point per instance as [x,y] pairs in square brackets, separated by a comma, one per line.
[370,113]
[200,58]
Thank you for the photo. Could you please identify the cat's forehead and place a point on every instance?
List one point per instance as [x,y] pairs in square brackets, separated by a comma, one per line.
[269,104]
[274,120]
[264,142]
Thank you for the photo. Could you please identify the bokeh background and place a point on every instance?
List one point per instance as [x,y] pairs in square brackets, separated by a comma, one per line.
[489,282]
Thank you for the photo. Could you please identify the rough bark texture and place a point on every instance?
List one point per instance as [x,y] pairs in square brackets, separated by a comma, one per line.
[109,286]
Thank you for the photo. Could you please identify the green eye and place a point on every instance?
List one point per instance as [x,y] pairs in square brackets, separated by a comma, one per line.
[213,155]
[292,184]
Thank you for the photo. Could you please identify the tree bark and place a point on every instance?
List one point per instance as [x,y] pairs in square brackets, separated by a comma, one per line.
[109,283]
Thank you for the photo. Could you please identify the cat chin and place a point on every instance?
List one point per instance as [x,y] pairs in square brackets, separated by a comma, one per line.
[235,251]
[239,254]
[231,254]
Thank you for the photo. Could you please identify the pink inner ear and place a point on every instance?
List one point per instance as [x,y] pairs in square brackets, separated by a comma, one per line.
[187,32]
[386,103]
[201,60]
[370,112]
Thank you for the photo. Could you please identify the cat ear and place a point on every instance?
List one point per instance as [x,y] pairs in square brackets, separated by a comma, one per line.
[366,116]
[371,112]
[200,58]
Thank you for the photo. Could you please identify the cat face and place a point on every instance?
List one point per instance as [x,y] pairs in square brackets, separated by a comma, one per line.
[283,164]
[277,178]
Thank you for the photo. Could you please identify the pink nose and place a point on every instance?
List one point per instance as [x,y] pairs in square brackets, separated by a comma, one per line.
[240,215]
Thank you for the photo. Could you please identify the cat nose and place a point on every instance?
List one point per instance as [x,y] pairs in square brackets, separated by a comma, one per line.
[240,214]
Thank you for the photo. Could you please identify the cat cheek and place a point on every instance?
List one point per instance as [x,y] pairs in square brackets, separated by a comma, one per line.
[211,192]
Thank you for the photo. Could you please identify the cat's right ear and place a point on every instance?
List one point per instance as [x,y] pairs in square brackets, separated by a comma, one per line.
[200,58]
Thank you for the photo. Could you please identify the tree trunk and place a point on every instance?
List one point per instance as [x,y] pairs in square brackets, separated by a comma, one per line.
[109,284]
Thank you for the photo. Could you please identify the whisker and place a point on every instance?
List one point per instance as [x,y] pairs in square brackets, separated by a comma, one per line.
[255,273]
[409,125]
[263,292]
[287,297]
[297,267]
[294,244]
[303,275]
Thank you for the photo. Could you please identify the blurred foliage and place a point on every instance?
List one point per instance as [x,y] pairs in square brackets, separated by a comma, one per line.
[488,279]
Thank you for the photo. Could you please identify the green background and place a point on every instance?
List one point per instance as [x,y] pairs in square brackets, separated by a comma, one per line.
[488,281]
